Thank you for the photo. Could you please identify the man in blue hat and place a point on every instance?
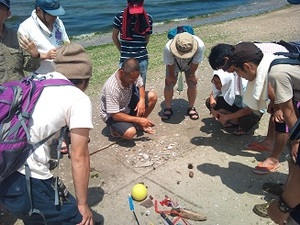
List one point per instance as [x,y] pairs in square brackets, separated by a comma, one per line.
[46,30]
[13,59]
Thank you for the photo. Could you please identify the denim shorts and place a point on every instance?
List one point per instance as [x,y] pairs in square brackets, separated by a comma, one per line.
[14,196]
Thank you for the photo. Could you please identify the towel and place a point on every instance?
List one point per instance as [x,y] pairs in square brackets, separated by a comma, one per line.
[228,86]
[142,24]
[256,94]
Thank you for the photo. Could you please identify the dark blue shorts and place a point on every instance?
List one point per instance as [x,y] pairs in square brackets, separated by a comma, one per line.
[14,196]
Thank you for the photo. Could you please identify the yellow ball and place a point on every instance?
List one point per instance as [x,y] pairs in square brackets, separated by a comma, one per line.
[139,192]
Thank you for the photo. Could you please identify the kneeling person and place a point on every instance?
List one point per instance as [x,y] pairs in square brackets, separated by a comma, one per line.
[125,105]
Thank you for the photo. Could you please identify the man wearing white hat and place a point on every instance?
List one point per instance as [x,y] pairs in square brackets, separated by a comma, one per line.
[182,54]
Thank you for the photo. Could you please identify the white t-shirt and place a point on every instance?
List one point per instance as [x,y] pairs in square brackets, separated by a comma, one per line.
[44,39]
[184,63]
[57,107]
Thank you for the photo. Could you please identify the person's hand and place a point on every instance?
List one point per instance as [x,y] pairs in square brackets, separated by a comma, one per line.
[278,116]
[49,55]
[87,216]
[145,124]
[276,215]
[140,108]
[170,80]
[28,45]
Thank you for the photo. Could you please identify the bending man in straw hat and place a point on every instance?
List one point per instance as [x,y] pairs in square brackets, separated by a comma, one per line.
[182,54]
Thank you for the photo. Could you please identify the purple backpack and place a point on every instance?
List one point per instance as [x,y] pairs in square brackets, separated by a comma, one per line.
[17,102]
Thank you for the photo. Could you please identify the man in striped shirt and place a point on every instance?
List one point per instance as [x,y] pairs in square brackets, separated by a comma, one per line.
[125,105]
[132,28]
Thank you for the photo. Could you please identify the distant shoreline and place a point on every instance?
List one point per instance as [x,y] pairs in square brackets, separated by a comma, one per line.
[95,39]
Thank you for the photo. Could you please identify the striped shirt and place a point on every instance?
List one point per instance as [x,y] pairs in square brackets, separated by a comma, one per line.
[116,98]
[136,48]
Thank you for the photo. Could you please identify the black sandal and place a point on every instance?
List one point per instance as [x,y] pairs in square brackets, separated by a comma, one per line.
[193,115]
[167,113]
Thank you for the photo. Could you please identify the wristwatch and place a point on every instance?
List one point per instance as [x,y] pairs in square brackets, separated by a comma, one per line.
[283,207]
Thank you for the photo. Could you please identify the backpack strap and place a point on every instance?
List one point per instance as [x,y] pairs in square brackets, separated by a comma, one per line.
[27,172]
[28,185]
[62,135]
[291,58]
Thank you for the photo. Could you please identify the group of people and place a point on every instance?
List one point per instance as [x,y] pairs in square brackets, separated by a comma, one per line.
[279,83]
[242,85]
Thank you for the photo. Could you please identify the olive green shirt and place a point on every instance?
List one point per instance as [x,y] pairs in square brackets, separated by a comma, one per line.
[13,59]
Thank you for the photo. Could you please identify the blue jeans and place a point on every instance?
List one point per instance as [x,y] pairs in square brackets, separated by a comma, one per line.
[14,196]
[143,70]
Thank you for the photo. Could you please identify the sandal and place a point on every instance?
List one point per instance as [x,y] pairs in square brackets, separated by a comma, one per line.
[192,113]
[239,132]
[267,166]
[167,113]
[261,210]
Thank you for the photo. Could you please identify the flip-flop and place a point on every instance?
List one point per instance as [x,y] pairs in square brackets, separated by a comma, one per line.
[257,146]
[265,168]
[273,188]
[261,210]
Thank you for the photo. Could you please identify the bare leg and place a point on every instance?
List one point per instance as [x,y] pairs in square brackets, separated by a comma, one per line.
[152,99]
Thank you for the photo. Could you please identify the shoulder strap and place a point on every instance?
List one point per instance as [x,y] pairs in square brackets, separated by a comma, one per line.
[291,58]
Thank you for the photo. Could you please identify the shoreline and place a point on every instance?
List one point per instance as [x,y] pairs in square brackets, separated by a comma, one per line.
[95,39]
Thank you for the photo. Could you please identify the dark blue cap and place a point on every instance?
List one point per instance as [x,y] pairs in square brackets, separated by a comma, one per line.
[6,3]
[51,7]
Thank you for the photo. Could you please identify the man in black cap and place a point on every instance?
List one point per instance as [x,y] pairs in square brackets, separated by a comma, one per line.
[13,59]
[132,28]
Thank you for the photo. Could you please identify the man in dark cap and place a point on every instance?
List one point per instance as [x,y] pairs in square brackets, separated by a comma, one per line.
[132,28]
[46,30]
[57,107]
[249,62]
[13,60]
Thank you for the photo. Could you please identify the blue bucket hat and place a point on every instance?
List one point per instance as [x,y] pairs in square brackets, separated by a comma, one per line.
[51,7]
[6,3]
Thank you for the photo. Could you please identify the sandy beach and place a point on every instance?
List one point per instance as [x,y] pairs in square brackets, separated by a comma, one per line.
[223,187]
